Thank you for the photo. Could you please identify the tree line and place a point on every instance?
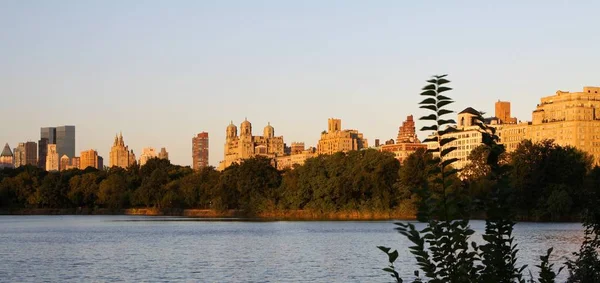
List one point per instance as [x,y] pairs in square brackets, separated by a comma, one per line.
[549,182]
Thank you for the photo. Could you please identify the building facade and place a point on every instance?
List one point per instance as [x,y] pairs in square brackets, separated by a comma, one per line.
[52,160]
[65,163]
[19,155]
[31,151]
[337,140]
[244,146]
[468,137]
[89,158]
[568,118]
[163,154]
[120,155]
[147,154]
[65,140]
[297,158]
[6,158]
[406,142]
[200,151]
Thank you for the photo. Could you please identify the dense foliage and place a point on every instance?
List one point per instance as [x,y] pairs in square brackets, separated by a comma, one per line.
[367,181]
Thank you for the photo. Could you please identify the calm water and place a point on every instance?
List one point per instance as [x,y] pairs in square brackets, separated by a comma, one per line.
[133,249]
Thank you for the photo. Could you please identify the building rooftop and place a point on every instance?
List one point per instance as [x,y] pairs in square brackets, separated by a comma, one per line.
[6,151]
[470,110]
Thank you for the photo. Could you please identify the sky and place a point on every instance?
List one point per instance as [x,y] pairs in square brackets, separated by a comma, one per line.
[162,71]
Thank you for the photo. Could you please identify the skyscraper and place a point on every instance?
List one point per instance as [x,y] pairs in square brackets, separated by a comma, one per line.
[65,161]
[19,155]
[43,151]
[52,160]
[147,154]
[88,158]
[200,151]
[65,141]
[31,150]
[163,154]
[120,155]
[6,158]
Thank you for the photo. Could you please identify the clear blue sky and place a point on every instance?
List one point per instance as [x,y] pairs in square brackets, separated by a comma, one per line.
[162,71]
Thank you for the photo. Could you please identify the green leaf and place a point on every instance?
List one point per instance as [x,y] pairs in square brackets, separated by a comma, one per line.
[431,117]
[443,88]
[444,112]
[429,93]
[393,256]
[442,81]
[384,249]
[428,101]
[430,107]
[429,87]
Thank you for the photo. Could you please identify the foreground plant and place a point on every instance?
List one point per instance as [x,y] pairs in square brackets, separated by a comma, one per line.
[442,249]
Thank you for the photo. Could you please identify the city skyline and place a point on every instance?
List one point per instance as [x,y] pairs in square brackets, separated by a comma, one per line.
[290,64]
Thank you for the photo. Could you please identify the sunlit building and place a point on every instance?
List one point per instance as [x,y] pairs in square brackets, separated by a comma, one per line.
[406,142]
[6,158]
[200,151]
[89,158]
[568,118]
[337,140]
[244,146]
[147,154]
[52,160]
[120,155]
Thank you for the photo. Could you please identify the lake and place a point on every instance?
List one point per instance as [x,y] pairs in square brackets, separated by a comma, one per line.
[138,248]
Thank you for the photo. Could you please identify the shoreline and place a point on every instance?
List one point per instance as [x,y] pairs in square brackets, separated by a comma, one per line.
[299,215]
[290,215]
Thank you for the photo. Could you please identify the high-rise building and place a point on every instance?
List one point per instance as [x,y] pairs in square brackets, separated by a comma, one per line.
[52,161]
[100,163]
[200,151]
[48,133]
[6,158]
[75,163]
[568,118]
[65,162]
[163,154]
[147,154]
[337,140]
[467,137]
[42,151]
[19,155]
[120,155]
[31,150]
[88,158]
[65,140]
[503,113]
[297,147]
[406,142]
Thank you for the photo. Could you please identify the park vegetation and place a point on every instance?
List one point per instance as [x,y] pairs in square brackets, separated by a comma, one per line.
[549,183]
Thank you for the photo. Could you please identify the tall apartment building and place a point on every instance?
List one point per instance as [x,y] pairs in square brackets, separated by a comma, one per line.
[120,155]
[52,160]
[163,154]
[63,137]
[65,163]
[468,137]
[65,140]
[147,154]
[42,152]
[89,158]
[244,146]
[200,151]
[19,155]
[502,111]
[569,118]
[338,140]
[75,163]
[6,158]
[31,150]
[406,142]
